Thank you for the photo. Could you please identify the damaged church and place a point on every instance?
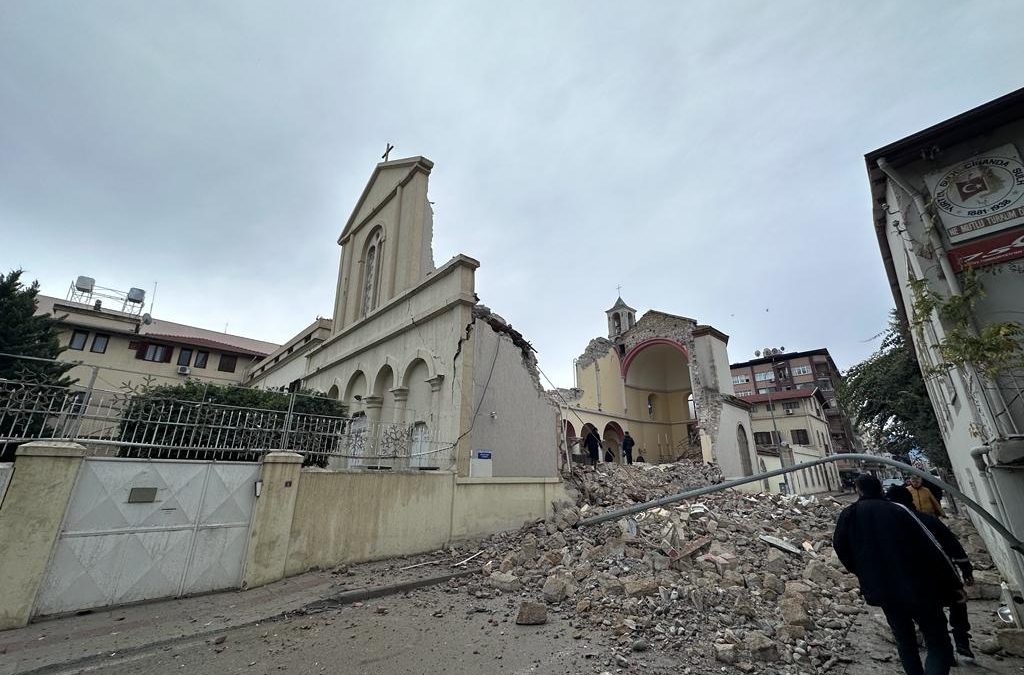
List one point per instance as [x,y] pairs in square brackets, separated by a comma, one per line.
[411,347]
[433,379]
[665,379]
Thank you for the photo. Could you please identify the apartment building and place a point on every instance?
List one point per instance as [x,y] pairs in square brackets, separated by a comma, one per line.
[132,349]
[794,425]
[796,371]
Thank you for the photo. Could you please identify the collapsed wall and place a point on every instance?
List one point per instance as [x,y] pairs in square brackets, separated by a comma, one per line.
[513,417]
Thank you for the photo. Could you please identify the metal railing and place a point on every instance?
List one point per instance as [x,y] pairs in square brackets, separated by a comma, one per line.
[129,424]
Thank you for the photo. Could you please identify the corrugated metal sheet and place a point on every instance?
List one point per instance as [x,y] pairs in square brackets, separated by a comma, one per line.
[190,539]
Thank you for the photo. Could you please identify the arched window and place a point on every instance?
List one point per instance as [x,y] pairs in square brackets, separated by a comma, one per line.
[617,323]
[371,273]
[651,399]
[369,282]
[744,448]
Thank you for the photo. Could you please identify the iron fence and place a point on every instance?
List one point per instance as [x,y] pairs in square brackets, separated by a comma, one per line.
[125,424]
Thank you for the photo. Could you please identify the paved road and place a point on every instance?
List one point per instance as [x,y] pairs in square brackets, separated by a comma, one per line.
[426,631]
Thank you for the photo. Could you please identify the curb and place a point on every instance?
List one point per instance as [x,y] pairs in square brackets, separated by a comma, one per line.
[315,607]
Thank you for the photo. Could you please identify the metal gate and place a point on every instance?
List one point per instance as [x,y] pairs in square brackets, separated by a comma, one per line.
[140,529]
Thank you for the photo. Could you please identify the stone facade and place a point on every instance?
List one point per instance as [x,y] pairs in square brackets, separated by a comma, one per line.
[412,352]
[703,417]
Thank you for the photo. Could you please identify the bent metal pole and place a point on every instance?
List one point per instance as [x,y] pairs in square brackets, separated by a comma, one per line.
[1015,543]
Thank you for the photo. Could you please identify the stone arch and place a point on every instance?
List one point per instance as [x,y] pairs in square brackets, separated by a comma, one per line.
[383,383]
[419,397]
[585,430]
[743,443]
[617,323]
[421,356]
[611,439]
[384,380]
[357,386]
[572,442]
[333,392]
[635,351]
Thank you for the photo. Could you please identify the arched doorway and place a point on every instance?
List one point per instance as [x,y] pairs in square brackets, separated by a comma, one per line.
[612,440]
[657,387]
[746,465]
[572,443]
[584,432]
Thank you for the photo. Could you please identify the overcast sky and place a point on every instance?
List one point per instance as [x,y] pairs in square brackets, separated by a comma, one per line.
[707,156]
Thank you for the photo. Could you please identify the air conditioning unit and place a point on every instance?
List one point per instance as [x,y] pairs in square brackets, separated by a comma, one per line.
[789,411]
[184,370]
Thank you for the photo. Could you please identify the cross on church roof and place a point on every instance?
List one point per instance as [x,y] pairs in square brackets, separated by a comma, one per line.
[387,151]
[619,289]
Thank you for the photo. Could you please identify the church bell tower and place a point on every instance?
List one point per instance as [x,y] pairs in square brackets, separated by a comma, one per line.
[621,317]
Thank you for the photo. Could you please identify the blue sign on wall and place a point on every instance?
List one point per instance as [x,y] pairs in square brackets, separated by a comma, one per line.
[483,454]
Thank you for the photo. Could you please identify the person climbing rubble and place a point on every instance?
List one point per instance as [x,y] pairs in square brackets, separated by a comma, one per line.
[901,569]
[959,623]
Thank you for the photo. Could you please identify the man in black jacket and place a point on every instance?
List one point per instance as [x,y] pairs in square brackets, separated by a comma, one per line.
[592,443]
[959,623]
[627,448]
[902,570]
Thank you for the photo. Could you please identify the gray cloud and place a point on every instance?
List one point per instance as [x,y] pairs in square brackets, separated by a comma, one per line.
[706,155]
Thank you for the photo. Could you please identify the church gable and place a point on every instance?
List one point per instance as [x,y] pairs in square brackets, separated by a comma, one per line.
[381,188]
[386,244]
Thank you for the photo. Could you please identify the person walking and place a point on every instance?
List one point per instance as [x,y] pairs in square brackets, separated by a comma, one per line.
[593,444]
[959,623]
[627,448]
[903,571]
[924,499]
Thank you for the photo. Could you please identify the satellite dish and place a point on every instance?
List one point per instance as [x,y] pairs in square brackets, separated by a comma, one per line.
[757,352]
[147,319]
[782,349]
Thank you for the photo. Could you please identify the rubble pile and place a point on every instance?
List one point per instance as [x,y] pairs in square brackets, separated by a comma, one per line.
[617,485]
[726,581]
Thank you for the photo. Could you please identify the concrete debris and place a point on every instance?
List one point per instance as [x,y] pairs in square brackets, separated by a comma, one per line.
[780,544]
[532,614]
[709,580]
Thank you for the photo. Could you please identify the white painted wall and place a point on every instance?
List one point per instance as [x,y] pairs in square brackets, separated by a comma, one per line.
[523,431]
[966,418]
[425,324]
[727,450]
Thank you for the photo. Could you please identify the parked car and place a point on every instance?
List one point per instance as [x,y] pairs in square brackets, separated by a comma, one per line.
[891,482]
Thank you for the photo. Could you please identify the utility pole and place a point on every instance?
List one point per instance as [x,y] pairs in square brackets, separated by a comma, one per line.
[772,353]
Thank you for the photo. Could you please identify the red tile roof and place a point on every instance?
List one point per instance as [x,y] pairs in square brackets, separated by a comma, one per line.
[169,331]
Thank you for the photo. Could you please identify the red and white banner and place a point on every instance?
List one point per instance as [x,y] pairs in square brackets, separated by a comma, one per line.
[988,251]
